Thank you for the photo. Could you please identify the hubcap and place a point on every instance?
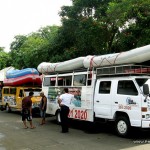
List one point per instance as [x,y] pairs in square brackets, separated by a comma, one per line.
[122,127]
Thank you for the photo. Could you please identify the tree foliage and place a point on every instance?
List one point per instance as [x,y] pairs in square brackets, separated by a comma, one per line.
[89,27]
[5,59]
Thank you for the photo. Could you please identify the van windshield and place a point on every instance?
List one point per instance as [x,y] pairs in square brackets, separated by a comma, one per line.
[36,91]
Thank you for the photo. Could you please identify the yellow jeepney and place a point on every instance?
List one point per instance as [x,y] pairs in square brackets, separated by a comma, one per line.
[12,97]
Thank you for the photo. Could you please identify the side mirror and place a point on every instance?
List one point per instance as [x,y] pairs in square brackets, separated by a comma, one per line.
[146,89]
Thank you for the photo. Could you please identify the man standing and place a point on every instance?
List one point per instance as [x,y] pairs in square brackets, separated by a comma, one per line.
[27,110]
[64,101]
[43,106]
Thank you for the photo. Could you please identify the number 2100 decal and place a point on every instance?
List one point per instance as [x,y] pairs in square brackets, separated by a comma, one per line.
[78,114]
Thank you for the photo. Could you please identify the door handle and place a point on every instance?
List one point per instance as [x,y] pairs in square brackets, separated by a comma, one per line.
[116,102]
[97,101]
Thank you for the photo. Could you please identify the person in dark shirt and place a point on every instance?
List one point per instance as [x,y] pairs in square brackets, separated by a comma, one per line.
[43,106]
[27,110]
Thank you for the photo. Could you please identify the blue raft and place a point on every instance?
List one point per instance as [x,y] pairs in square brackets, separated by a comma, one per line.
[19,73]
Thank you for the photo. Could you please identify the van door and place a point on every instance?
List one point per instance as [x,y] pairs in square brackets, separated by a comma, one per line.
[102,99]
[128,100]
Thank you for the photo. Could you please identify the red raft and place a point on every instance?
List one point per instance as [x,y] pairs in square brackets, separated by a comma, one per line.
[26,79]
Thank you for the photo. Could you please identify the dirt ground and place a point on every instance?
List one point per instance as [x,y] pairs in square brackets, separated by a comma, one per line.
[14,137]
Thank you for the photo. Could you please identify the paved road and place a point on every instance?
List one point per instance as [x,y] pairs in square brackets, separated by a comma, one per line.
[80,137]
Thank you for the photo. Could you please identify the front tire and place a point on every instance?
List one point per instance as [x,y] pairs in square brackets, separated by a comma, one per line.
[122,126]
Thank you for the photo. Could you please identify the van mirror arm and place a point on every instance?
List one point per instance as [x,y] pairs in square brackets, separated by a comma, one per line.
[145,100]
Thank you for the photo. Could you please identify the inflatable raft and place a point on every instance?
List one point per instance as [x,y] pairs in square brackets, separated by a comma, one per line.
[133,56]
[19,73]
[28,76]
[26,79]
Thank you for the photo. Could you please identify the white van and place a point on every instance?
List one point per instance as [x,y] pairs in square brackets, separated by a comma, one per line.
[116,93]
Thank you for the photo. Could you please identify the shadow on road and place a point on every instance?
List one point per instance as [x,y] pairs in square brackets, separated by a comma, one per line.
[106,128]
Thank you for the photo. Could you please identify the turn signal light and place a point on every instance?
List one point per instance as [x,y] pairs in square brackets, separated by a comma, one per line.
[144,109]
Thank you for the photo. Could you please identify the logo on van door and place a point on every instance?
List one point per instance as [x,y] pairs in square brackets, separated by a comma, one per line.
[130,101]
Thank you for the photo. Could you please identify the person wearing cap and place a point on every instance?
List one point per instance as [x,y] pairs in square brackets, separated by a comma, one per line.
[43,106]
[27,110]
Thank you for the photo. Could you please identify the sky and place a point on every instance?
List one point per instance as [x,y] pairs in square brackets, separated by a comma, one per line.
[21,17]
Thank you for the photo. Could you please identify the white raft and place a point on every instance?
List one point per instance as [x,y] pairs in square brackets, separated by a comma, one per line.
[137,55]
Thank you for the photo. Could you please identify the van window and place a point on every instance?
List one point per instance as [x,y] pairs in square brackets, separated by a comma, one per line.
[12,90]
[80,80]
[6,90]
[104,87]
[127,87]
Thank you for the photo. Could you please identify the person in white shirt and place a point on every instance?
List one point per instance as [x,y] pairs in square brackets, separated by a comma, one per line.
[64,102]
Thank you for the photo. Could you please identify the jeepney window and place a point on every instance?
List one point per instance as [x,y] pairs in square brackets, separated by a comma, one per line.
[104,87]
[80,80]
[6,90]
[21,93]
[126,87]
[64,81]
[36,91]
[12,90]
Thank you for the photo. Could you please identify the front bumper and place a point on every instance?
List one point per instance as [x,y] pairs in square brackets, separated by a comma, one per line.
[146,124]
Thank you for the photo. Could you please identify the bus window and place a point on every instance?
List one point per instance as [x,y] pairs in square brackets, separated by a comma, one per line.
[52,81]
[46,81]
[64,81]
[60,81]
[80,80]
[68,80]
[49,81]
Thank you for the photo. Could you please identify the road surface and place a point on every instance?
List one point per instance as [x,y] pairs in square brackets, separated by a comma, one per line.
[81,136]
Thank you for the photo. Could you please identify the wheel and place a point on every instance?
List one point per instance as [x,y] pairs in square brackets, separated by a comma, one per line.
[58,119]
[8,108]
[122,126]
[2,108]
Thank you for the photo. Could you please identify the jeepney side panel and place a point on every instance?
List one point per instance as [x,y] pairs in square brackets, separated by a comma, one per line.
[8,98]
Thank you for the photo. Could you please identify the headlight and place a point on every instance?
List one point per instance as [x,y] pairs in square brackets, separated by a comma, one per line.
[147,116]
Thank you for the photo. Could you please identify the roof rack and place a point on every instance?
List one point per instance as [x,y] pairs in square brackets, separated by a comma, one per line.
[129,69]
[68,71]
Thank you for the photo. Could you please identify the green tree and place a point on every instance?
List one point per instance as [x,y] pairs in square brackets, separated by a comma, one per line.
[132,17]
[29,51]
[5,59]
